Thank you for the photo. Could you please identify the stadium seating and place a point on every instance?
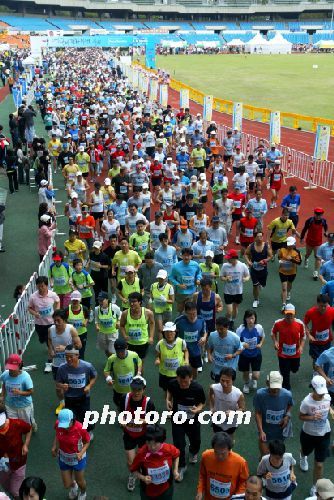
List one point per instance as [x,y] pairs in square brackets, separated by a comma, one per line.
[27,23]
[70,24]
[320,35]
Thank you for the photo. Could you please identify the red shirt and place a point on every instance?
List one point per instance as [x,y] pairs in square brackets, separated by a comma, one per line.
[238,202]
[11,443]
[156,170]
[247,227]
[147,464]
[290,336]
[276,179]
[70,439]
[321,324]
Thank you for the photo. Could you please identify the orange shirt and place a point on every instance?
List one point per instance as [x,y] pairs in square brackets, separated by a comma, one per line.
[287,267]
[222,479]
[85,227]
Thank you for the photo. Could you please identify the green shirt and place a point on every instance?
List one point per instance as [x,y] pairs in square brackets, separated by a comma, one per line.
[140,243]
[123,370]
[82,281]
[61,277]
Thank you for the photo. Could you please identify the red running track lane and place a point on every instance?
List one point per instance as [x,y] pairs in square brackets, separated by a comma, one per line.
[299,140]
[4,91]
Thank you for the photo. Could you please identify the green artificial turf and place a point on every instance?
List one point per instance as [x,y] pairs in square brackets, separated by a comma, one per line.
[279,82]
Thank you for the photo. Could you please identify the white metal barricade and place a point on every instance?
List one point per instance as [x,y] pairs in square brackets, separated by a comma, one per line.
[18,328]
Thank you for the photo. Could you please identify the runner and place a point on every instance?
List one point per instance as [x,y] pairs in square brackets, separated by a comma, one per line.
[70,445]
[320,336]
[134,434]
[278,232]
[185,276]
[225,397]
[155,465]
[289,259]
[162,295]
[314,227]
[252,336]
[257,256]
[107,317]
[288,335]
[315,434]
[78,315]
[223,472]
[185,394]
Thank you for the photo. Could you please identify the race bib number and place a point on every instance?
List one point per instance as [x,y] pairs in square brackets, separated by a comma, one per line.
[10,388]
[249,232]
[60,281]
[107,323]
[219,359]
[46,311]
[172,364]
[188,280]
[237,203]
[125,380]
[77,323]
[68,458]
[135,334]
[322,336]
[159,475]
[274,417]
[280,478]
[289,350]
[207,315]
[77,381]
[252,343]
[186,409]
[257,266]
[218,489]
[277,177]
[191,336]
[281,233]
[123,189]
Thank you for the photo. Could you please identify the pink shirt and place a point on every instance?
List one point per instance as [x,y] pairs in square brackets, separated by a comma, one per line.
[44,238]
[43,305]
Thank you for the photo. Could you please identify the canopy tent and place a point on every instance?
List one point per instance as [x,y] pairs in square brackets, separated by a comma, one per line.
[236,42]
[257,44]
[279,45]
[28,61]
[325,44]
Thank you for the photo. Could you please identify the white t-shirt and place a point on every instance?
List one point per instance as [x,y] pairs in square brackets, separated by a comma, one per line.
[251,170]
[225,402]
[237,272]
[240,180]
[310,406]
[280,477]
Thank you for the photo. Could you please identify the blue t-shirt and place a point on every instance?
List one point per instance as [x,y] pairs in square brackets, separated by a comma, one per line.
[166,257]
[183,160]
[186,274]
[258,207]
[222,346]
[291,202]
[272,409]
[327,270]
[326,362]
[76,378]
[120,211]
[329,290]
[252,337]
[191,333]
[325,251]
[22,382]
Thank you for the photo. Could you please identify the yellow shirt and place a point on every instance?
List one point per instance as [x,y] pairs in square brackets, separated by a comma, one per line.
[70,171]
[83,160]
[122,260]
[287,267]
[198,157]
[279,229]
[76,250]
[54,147]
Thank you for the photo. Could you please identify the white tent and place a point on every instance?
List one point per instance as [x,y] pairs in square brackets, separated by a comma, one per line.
[279,45]
[257,44]
[236,42]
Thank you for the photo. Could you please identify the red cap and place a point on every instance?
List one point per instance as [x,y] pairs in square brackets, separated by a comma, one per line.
[57,258]
[232,254]
[13,362]
[319,210]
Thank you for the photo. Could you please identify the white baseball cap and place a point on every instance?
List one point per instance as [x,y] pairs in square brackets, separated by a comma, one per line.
[97,244]
[209,253]
[145,185]
[45,218]
[107,181]
[289,309]
[81,148]
[275,380]
[76,295]
[202,176]
[162,274]
[319,384]
[44,182]
[73,195]
[169,327]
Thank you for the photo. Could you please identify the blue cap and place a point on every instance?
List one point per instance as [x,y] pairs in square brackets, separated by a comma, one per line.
[220,177]
[65,418]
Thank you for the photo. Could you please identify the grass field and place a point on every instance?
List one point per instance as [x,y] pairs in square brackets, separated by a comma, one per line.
[281,82]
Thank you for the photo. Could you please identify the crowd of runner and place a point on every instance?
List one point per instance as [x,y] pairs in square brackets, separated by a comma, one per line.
[162,217]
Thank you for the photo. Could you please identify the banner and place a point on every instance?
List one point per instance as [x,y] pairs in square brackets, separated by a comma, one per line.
[163,95]
[153,89]
[17,95]
[184,98]
[237,116]
[146,83]
[140,81]
[322,142]
[275,127]
[90,41]
[150,54]
[135,77]
[207,108]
